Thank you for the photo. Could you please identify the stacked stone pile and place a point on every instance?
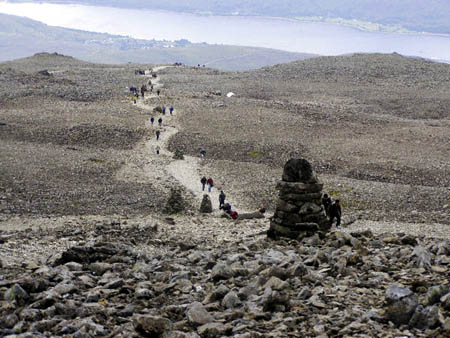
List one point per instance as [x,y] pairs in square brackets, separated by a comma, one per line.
[299,211]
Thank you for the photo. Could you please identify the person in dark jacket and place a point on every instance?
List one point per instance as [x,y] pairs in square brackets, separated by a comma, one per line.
[221,199]
[335,212]
[171,110]
[203,182]
[210,183]
[152,120]
[164,110]
[160,121]
[157,135]
[326,202]
[227,208]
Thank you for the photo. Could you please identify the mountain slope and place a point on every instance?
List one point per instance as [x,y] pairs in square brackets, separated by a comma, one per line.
[21,37]
[418,15]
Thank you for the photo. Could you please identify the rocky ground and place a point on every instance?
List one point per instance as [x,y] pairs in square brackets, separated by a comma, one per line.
[158,278]
[87,246]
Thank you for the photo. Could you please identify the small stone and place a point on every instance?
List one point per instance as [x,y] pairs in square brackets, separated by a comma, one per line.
[212,330]
[17,293]
[425,318]
[197,315]
[435,293]
[99,268]
[421,258]
[151,325]
[231,300]
[221,271]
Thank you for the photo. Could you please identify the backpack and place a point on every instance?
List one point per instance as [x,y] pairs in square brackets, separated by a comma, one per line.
[234,215]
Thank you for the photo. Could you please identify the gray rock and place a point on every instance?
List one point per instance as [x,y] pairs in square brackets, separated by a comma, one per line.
[149,325]
[64,288]
[445,301]
[421,258]
[217,294]
[180,334]
[298,270]
[221,271]
[93,296]
[183,275]
[73,266]
[276,284]
[9,321]
[206,206]
[310,208]
[435,293]
[197,315]
[213,330]
[231,300]
[16,293]
[115,284]
[425,317]
[99,268]
[401,303]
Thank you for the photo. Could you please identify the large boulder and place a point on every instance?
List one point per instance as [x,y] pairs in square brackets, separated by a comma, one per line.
[175,203]
[206,206]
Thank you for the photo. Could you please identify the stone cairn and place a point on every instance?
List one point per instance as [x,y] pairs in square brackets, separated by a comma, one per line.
[299,211]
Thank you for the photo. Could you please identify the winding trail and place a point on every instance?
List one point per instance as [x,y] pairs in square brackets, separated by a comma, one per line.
[188,171]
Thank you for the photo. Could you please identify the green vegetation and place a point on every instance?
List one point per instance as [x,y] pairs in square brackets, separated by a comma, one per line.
[255,153]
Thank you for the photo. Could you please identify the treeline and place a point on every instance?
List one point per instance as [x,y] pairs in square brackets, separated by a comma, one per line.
[417,15]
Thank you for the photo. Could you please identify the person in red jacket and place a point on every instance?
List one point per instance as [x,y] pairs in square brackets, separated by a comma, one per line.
[210,183]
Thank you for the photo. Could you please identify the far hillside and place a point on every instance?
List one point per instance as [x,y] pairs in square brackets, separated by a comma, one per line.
[416,15]
[22,37]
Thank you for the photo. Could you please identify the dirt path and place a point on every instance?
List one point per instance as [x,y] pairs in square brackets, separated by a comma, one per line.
[158,168]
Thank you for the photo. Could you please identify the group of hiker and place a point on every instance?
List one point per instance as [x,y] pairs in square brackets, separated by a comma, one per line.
[332,209]
[209,182]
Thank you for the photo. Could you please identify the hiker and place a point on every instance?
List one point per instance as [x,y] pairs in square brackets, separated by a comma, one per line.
[326,202]
[171,110]
[151,89]
[335,212]
[152,120]
[160,121]
[157,150]
[222,197]
[203,182]
[142,92]
[227,208]
[202,153]
[158,92]
[134,99]
[261,208]
[210,183]
[157,135]
[164,110]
